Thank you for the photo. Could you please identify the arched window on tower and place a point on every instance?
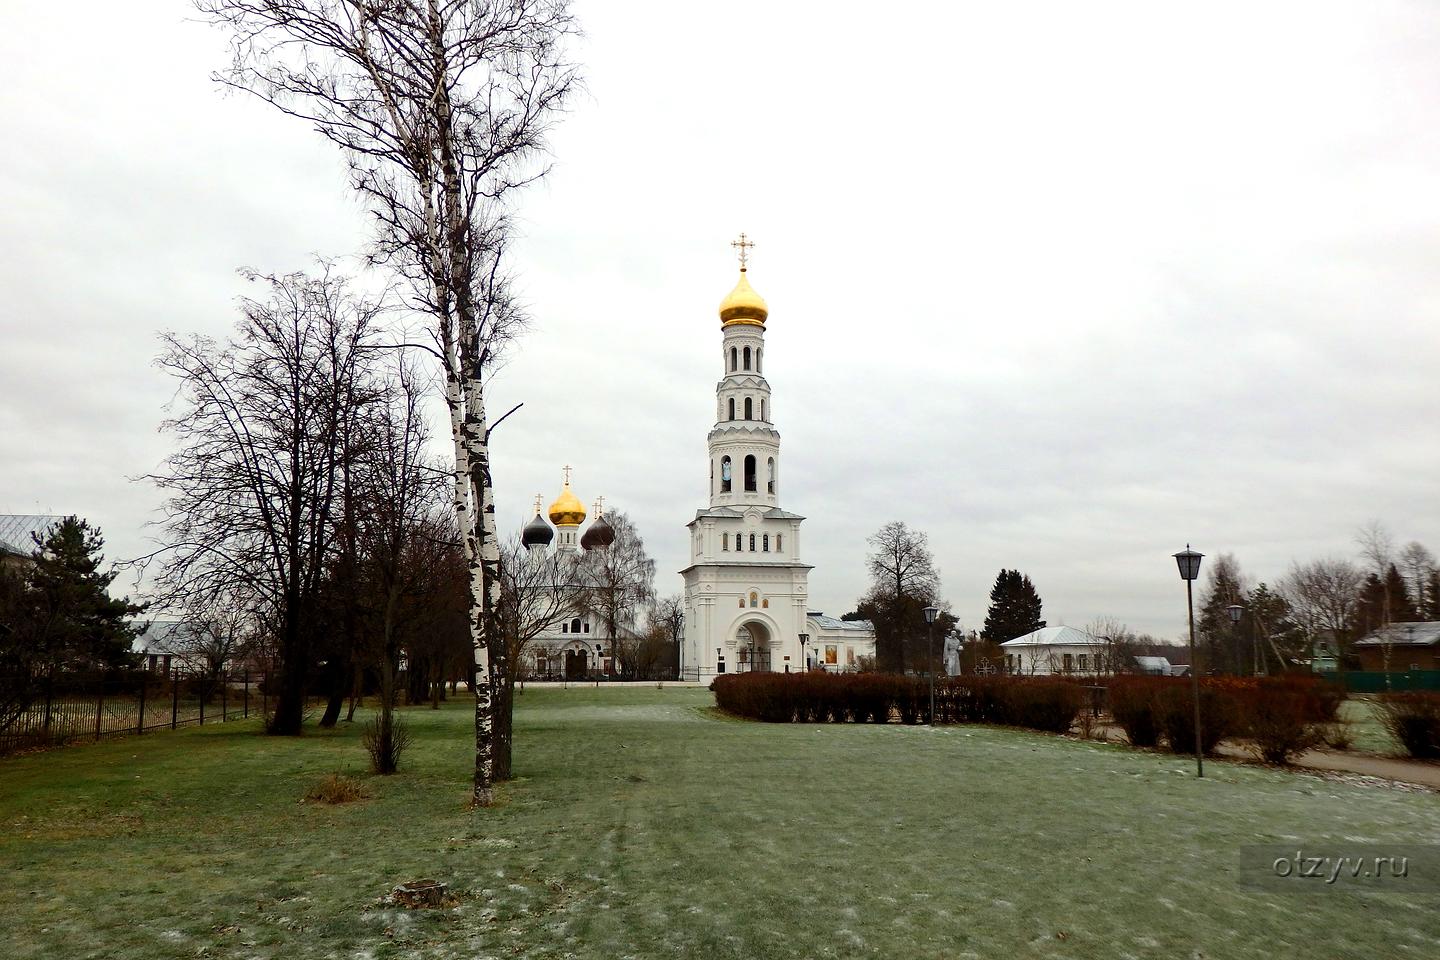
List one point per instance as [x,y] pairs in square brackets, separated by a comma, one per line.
[752,543]
[747,358]
[748,408]
[758,354]
[732,408]
[739,541]
[750,474]
[724,474]
[765,543]
[779,541]
[764,413]
[734,359]
[770,475]
[575,625]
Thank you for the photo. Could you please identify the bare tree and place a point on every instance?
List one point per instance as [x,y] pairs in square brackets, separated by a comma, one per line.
[1322,595]
[903,580]
[398,496]
[1117,654]
[441,108]
[1377,547]
[669,613]
[535,591]
[616,583]
[253,486]
[1417,563]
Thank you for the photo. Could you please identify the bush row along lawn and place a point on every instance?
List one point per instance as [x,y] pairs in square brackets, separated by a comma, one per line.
[645,824]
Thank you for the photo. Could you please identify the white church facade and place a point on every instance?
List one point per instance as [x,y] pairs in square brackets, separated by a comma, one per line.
[746,587]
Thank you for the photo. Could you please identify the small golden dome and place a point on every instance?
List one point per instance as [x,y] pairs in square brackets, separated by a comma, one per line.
[743,305]
[567,510]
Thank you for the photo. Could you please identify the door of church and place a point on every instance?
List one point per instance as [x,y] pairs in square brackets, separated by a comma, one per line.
[575,664]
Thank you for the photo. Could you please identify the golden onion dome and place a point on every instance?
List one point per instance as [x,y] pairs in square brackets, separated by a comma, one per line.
[743,305]
[567,510]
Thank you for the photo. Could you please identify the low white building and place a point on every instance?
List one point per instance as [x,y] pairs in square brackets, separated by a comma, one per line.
[1054,650]
[838,645]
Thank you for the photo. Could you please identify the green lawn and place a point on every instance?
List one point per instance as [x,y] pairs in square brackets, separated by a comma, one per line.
[644,825]
[1364,726]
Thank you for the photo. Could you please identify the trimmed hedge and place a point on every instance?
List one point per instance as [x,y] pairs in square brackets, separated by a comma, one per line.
[1413,719]
[1039,703]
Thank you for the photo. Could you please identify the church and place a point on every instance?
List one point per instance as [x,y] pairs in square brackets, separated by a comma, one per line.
[746,588]
[576,645]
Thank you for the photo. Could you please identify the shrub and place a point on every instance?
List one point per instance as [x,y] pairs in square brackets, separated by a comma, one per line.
[1280,720]
[1042,703]
[1134,705]
[1336,736]
[386,738]
[1413,719]
[1176,713]
[337,788]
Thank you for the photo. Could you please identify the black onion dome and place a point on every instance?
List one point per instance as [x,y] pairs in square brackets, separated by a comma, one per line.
[599,534]
[537,531]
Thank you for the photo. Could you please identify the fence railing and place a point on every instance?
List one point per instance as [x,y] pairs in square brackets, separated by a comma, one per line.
[57,708]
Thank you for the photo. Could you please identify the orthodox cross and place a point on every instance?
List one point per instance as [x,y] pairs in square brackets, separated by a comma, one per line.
[743,245]
[537,504]
[567,474]
[599,506]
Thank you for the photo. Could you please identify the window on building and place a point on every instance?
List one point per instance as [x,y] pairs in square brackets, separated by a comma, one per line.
[747,358]
[724,474]
[765,543]
[749,470]
[739,545]
[754,599]
[758,354]
[763,416]
[778,538]
[1067,663]
[725,542]
[1083,665]
[587,626]
[564,628]
[575,625]
[749,409]
[770,475]
[734,354]
[752,543]
[732,408]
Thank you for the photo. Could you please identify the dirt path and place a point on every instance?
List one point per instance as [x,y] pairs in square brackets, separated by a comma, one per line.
[1366,764]
[1420,772]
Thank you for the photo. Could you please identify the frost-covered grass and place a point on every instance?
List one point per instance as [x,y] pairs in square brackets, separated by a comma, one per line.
[1363,723]
[645,825]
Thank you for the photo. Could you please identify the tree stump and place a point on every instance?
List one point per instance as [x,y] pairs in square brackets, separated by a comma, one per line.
[418,894]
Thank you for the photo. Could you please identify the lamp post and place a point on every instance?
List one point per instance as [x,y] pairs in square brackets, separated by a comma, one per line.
[1235,611]
[1189,562]
[804,639]
[930,614]
[680,647]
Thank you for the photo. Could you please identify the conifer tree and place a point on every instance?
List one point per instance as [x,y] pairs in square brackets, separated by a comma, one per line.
[1015,608]
[80,624]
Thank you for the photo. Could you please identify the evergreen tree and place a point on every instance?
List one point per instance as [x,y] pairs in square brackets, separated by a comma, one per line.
[1224,647]
[1383,601]
[1015,608]
[81,624]
[1432,597]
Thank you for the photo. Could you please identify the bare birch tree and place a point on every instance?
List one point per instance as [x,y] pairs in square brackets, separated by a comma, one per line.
[441,108]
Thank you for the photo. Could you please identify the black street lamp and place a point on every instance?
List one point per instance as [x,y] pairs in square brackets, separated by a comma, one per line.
[1235,612]
[804,639]
[930,614]
[1189,562]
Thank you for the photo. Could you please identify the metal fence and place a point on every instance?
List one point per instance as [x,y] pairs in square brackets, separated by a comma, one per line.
[1378,681]
[60,708]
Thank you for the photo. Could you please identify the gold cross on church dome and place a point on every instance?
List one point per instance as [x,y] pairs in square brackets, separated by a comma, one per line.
[567,474]
[743,245]
[538,500]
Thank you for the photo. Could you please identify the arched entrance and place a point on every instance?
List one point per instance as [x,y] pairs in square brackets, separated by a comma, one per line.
[577,663]
[752,647]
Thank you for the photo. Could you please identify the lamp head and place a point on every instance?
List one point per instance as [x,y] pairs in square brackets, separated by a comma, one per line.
[931,613]
[1235,610]
[1189,563]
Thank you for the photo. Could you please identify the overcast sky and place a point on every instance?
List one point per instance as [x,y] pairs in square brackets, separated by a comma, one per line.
[1063,285]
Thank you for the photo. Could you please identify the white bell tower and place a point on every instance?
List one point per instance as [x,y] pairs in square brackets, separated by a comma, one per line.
[745,587]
